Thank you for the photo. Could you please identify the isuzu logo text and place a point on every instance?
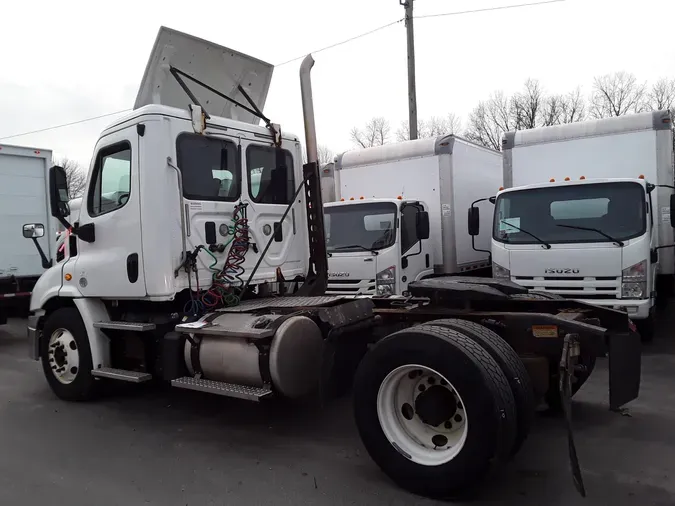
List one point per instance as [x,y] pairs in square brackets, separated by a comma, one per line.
[561,271]
[338,274]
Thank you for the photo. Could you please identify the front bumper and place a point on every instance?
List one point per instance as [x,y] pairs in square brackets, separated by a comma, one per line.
[637,309]
[33,331]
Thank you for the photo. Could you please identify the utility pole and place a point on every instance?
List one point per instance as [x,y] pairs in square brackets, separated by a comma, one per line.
[412,93]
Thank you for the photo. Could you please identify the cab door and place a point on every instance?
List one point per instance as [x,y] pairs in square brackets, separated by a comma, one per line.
[111,265]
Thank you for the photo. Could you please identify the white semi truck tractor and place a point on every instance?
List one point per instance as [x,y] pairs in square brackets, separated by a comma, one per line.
[199,259]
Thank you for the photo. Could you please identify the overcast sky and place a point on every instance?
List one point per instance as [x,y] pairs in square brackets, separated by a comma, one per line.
[65,61]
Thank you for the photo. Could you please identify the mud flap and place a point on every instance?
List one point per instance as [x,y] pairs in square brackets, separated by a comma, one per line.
[568,363]
[625,368]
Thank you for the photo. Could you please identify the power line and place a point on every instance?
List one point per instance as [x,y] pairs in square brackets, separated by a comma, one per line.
[487,9]
[351,39]
[342,42]
[64,125]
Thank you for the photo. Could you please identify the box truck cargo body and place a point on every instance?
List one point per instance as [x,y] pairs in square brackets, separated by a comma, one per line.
[386,194]
[23,199]
[586,213]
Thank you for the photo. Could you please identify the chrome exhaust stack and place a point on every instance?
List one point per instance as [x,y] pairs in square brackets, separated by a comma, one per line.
[308,109]
[316,281]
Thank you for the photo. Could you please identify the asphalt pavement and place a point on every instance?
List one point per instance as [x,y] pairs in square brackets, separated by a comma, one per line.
[153,446]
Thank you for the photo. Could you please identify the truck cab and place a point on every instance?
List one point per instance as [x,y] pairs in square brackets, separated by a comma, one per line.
[592,239]
[376,246]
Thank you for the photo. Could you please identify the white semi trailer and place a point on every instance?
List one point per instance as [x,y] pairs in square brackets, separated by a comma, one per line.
[187,272]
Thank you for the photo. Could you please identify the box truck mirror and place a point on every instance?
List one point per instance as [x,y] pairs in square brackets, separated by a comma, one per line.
[474,221]
[422,225]
[672,210]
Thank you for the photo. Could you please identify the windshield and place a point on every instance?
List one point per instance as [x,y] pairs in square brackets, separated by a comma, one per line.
[552,214]
[360,227]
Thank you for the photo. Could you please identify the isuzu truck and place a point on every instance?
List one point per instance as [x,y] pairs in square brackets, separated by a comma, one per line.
[587,213]
[401,211]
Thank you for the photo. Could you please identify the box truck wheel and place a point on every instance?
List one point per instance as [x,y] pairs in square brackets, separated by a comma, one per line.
[433,410]
[66,356]
[512,366]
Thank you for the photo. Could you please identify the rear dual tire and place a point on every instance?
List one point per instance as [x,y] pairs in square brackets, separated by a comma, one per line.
[411,434]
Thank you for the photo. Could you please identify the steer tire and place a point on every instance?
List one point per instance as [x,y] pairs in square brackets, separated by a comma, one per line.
[480,383]
[84,385]
[513,368]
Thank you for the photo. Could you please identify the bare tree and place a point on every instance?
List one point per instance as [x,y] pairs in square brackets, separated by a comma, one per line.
[325,155]
[76,176]
[490,119]
[661,95]
[526,106]
[618,94]
[374,133]
[432,127]
[567,108]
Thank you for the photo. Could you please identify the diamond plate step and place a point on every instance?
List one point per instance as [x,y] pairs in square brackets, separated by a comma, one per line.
[220,388]
[132,326]
[121,375]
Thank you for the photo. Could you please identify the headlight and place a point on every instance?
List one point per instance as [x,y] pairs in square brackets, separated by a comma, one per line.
[634,281]
[385,281]
[500,272]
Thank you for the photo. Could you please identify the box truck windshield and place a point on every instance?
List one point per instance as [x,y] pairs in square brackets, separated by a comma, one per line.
[369,226]
[583,213]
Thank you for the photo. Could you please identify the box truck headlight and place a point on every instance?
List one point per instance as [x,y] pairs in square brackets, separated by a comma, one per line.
[634,281]
[500,272]
[385,281]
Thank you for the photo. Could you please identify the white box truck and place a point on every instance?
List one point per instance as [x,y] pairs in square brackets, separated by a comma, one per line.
[23,200]
[587,212]
[401,214]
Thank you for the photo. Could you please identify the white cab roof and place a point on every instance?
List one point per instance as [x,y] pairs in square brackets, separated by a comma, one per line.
[219,67]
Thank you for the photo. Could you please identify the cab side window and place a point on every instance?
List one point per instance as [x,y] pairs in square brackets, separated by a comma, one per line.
[112,179]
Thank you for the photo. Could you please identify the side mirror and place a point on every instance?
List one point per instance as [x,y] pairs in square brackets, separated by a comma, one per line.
[474,221]
[33,230]
[672,210]
[58,192]
[422,225]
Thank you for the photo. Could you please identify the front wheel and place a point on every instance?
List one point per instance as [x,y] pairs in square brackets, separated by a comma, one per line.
[647,327]
[433,410]
[66,356]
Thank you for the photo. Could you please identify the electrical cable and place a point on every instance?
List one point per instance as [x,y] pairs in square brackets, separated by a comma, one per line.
[487,9]
[64,125]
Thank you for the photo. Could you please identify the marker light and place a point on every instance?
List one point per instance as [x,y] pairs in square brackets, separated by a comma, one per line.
[641,176]
[567,178]
[551,180]
[582,177]
[351,198]
[399,197]
[342,199]
[501,188]
[361,197]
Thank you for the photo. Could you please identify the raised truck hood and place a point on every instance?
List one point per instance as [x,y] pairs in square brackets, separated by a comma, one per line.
[217,66]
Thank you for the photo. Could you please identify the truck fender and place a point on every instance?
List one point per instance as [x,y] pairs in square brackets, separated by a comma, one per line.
[47,287]
[91,311]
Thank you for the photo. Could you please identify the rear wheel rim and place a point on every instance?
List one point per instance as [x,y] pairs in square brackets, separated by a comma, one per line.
[422,415]
[63,356]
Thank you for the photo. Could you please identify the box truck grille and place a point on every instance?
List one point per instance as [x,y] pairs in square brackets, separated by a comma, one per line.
[351,287]
[601,287]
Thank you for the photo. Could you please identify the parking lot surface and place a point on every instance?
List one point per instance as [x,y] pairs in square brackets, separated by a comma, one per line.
[148,445]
